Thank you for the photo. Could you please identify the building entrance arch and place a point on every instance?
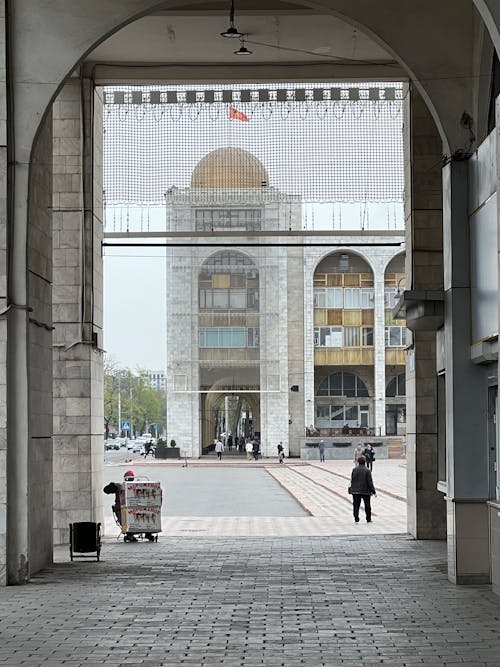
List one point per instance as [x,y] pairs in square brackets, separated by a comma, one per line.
[39,62]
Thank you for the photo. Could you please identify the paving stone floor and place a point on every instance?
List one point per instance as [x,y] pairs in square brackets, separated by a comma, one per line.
[247,602]
[212,499]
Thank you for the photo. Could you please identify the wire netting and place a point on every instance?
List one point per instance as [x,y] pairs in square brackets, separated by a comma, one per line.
[315,142]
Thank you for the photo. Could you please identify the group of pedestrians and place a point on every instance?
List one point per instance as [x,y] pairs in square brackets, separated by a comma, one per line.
[251,447]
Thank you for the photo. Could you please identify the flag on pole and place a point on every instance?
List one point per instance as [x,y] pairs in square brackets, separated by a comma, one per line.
[234,114]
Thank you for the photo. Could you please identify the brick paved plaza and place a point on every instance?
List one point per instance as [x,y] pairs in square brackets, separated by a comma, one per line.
[306,588]
[311,601]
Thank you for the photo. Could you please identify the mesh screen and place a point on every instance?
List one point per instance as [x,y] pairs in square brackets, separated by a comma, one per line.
[315,142]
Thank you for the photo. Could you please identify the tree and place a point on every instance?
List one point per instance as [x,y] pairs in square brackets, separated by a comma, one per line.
[140,403]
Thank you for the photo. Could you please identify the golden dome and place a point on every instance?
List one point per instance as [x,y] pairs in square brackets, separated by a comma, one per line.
[229,168]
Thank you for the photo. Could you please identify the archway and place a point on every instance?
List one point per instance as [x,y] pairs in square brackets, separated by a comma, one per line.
[96,29]
[344,318]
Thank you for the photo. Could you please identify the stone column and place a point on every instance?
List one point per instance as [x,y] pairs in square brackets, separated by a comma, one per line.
[77,307]
[424,269]
[40,351]
[379,350]
[466,427]
[310,260]
[3,304]
[295,315]
[183,378]
[275,391]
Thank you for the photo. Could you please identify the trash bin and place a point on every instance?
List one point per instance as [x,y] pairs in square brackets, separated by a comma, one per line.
[84,539]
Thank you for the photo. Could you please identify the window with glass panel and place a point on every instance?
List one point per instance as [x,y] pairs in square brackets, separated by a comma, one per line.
[223,337]
[367,336]
[252,337]
[338,415]
[320,297]
[343,336]
[390,297]
[334,297]
[396,387]
[367,298]
[245,219]
[351,337]
[227,298]
[395,336]
[342,384]
[352,297]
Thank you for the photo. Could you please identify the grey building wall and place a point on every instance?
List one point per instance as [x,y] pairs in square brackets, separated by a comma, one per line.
[77,307]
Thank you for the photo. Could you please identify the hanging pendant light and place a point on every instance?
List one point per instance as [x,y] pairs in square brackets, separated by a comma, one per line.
[243,51]
[232,31]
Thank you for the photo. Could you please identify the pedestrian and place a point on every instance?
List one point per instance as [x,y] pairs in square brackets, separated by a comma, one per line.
[256,449]
[249,449]
[358,451]
[361,488]
[230,442]
[219,448]
[322,451]
[281,453]
[369,455]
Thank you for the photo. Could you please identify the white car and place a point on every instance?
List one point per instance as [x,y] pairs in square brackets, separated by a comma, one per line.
[138,448]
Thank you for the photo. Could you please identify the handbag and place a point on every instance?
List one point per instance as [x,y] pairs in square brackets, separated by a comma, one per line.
[349,489]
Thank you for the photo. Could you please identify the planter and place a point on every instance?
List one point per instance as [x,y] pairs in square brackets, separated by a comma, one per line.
[172,453]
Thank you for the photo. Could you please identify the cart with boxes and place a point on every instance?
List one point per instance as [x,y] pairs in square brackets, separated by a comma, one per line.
[140,503]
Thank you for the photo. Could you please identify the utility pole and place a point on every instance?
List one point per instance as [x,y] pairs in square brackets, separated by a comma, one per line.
[119,408]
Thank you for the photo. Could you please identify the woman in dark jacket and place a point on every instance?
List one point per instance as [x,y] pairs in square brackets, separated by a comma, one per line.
[361,487]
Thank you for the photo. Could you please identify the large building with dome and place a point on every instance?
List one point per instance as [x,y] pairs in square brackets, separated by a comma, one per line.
[278,333]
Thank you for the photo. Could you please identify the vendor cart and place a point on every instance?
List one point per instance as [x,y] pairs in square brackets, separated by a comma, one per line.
[140,505]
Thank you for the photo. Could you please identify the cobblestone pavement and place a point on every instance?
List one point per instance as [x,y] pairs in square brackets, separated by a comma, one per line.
[289,602]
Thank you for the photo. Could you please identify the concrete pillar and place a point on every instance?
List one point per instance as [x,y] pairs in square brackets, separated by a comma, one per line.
[424,269]
[466,427]
[3,304]
[77,307]
[310,261]
[379,350]
[183,377]
[40,351]
[29,371]
[295,315]
[274,386]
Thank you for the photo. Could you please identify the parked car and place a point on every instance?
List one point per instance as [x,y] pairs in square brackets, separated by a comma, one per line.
[111,444]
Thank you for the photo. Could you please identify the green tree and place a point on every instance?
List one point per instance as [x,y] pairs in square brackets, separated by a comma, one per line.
[140,403]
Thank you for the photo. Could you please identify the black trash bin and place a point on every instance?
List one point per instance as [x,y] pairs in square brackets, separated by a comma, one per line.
[84,539]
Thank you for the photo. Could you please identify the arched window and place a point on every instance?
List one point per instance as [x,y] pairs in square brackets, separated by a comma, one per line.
[228,280]
[396,387]
[342,384]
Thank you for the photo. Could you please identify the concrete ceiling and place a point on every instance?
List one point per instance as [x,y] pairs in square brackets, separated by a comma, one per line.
[287,36]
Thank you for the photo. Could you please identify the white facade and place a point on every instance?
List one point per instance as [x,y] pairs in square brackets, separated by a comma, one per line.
[260,291]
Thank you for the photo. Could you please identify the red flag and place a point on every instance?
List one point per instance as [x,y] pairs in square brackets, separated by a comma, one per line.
[237,115]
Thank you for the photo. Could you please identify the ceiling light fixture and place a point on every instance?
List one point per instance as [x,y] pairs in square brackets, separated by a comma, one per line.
[243,51]
[232,31]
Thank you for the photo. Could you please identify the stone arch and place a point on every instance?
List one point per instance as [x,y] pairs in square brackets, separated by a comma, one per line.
[347,250]
[77,40]
[31,104]
[396,257]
